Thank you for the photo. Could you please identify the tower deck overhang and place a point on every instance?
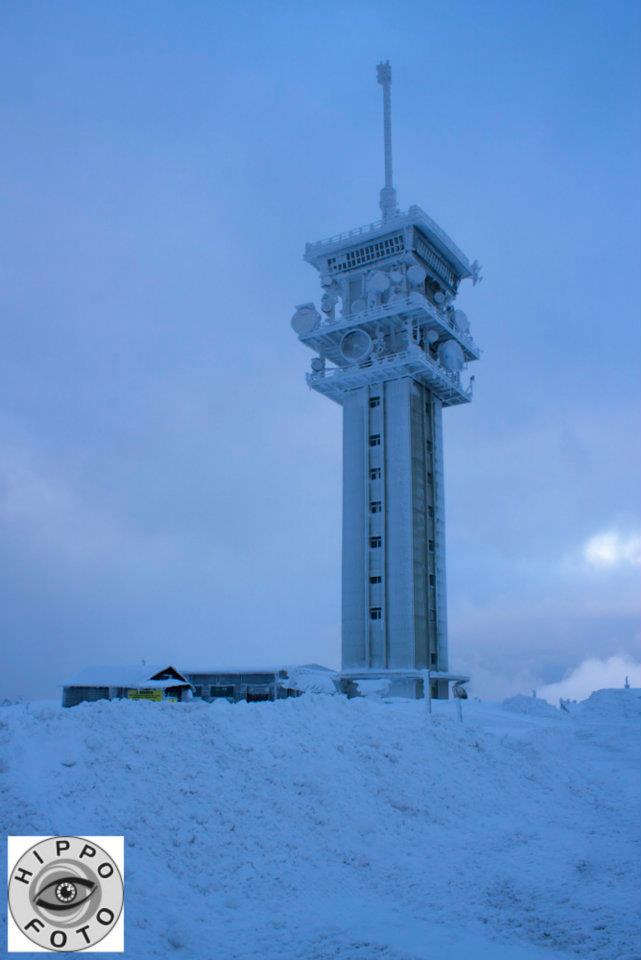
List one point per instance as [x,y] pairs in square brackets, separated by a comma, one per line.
[317,253]
[413,362]
[415,307]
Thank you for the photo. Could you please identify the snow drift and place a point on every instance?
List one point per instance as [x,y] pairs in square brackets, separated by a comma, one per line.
[324,828]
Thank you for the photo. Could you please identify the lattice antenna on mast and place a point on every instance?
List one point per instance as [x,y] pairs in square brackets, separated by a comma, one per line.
[389,206]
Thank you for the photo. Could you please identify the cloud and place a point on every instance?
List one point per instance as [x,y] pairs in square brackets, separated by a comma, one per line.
[593,674]
[613,549]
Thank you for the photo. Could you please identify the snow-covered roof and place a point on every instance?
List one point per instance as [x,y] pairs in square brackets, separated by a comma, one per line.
[137,676]
[269,668]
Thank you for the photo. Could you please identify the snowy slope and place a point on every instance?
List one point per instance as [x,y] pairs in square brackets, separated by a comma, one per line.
[354,830]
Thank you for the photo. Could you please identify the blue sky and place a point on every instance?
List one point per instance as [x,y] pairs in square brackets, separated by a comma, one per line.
[169,488]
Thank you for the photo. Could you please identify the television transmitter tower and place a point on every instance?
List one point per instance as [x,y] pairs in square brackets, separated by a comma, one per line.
[392,349]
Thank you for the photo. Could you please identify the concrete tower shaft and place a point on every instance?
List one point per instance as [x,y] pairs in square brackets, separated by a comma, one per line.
[393,350]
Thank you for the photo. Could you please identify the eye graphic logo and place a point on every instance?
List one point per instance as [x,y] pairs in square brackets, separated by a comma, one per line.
[65,893]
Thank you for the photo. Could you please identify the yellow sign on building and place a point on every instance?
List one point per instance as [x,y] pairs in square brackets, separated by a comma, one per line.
[145,695]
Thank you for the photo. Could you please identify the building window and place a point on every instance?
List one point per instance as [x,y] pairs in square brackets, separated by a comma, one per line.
[375,440]
[198,691]
[375,579]
[374,402]
[375,613]
[374,542]
[429,445]
[375,473]
[219,691]
[429,478]
[430,544]
[430,511]
[432,580]
[375,506]
[433,659]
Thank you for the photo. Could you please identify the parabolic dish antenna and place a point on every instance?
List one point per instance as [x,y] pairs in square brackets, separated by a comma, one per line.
[451,356]
[416,275]
[378,282]
[439,297]
[317,364]
[431,336]
[356,345]
[461,321]
[305,319]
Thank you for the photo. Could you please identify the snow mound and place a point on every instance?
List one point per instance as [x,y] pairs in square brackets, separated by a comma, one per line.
[611,705]
[321,828]
[531,706]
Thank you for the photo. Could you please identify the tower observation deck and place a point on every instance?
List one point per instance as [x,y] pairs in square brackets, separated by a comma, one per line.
[393,350]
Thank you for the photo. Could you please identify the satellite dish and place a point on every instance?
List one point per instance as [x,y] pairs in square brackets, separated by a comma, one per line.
[451,356]
[431,336]
[317,364]
[416,275]
[356,345]
[396,276]
[305,319]
[461,321]
[439,297]
[378,282]
[359,306]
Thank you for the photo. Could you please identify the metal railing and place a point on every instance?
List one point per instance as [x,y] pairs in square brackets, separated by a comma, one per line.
[412,356]
[414,212]
[401,305]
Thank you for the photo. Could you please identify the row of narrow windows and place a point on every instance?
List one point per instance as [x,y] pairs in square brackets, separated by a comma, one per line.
[376,578]
[376,506]
[375,441]
[376,542]
[376,613]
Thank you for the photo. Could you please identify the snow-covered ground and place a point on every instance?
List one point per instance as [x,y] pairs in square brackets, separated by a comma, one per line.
[354,830]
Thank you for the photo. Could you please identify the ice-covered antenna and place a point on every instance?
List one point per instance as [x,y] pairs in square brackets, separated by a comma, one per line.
[389,206]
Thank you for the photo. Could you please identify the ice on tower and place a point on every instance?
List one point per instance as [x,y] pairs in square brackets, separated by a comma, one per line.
[392,348]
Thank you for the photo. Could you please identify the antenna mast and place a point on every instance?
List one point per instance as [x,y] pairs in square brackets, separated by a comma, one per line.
[389,206]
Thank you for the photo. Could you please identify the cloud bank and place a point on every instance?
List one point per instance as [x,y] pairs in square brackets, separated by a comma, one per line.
[593,674]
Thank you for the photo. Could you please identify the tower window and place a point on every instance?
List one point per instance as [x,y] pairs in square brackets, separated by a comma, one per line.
[375,579]
[374,402]
[433,659]
[375,440]
[430,511]
[432,580]
[375,613]
[429,445]
[374,542]
[429,478]
[375,473]
[375,506]
[431,545]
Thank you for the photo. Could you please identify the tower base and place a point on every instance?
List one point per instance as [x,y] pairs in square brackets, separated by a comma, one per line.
[410,684]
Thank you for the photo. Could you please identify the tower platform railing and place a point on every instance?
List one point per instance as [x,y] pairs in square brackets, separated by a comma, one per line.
[414,214]
[400,306]
[412,362]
